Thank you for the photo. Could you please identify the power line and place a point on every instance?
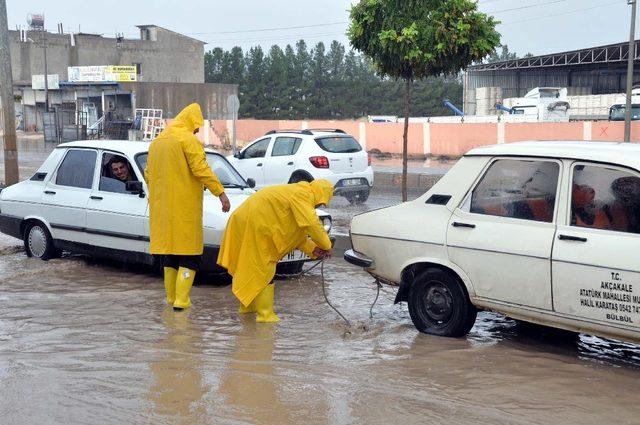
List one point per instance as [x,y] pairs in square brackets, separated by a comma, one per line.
[526,7]
[561,13]
[270,29]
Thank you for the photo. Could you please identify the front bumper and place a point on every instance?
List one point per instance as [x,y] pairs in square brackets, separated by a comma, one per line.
[11,226]
[358,259]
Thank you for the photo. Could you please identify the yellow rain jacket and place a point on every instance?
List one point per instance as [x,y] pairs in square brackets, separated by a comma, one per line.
[177,172]
[271,223]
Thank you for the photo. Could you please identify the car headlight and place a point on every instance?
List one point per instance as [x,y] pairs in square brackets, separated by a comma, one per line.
[326,222]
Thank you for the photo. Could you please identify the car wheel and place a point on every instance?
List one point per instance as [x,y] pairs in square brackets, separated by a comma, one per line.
[296,178]
[439,306]
[39,243]
[358,197]
[290,268]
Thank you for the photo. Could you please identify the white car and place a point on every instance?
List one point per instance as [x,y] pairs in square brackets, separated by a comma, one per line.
[75,203]
[281,157]
[545,232]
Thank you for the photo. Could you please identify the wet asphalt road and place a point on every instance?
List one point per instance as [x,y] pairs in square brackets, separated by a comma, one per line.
[91,342]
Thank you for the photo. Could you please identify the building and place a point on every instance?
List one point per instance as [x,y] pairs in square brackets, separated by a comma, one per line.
[168,74]
[591,71]
[160,55]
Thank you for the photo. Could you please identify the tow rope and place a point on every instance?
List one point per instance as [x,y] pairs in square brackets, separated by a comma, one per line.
[326,298]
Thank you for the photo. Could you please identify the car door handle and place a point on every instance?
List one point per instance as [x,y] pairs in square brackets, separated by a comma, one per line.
[290,163]
[571,238]
[49,192]
[259,164]
[97,198]
[467,225]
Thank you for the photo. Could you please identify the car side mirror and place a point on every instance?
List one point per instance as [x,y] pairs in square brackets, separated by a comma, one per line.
[251,182]
[135,187]
[238,155]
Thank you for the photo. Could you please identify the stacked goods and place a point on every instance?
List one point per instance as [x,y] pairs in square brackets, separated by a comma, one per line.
[596,106]
[470,102]
[486,98]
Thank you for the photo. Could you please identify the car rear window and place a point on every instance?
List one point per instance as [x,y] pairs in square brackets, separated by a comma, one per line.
[339,144]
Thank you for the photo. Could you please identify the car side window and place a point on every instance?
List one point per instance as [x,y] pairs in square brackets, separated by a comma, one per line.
[257,150]
[284,146]
[605,198]
[522,189]
[77,169]
[115,172]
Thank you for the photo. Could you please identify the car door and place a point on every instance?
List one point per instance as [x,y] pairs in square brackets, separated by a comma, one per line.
[281,160]
[66,195]
[115,217]
[596,272]
[252,160]
[502,234]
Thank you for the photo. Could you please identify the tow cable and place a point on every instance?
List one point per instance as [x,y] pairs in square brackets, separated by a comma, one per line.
[326,298]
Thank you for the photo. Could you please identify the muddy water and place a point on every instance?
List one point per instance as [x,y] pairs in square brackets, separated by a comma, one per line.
[91,342]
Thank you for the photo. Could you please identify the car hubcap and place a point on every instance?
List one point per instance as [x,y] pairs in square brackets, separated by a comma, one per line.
[37,241]
[439,303]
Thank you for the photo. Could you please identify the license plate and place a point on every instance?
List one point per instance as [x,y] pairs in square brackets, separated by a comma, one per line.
[296,255]
[351,182]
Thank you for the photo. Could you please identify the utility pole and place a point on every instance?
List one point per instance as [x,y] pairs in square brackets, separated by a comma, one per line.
[46,71]
[11,175]
[632,54]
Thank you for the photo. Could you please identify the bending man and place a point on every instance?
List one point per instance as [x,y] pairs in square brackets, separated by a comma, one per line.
[177,172]
[267,226]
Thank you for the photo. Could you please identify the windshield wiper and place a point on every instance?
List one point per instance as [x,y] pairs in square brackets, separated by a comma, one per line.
[234,186]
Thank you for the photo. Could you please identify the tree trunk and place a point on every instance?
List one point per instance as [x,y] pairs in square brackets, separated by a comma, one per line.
[405,137]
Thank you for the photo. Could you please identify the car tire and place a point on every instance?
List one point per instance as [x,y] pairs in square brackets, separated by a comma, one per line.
[438,304]
[359,197]
[299,177]
[38,242]
[290,268]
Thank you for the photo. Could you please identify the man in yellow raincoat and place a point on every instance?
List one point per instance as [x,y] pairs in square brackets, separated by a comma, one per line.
[177,173]
[271,223]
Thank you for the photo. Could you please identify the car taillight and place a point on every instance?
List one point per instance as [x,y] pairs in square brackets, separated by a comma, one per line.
[319,161]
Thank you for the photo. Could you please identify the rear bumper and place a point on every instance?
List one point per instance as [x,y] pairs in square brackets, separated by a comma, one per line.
[358,259]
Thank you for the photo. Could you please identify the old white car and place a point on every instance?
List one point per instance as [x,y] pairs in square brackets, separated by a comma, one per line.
[74,202]
[545,232]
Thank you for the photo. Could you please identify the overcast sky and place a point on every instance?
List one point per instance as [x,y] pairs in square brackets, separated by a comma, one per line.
[535,26]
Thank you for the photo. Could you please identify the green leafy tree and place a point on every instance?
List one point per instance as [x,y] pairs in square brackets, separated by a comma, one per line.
[503,55]
[414,39]
[276,82]
[252,102]
[213,65]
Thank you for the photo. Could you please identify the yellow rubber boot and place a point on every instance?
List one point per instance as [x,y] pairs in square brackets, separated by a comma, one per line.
[251,308]
[183,288]
[264,305]
[170,275]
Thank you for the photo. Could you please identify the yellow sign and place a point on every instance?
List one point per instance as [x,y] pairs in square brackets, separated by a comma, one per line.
[120,73]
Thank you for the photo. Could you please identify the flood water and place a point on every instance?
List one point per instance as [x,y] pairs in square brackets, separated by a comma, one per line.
[91,342]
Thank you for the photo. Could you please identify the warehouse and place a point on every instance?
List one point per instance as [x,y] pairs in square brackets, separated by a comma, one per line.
[591,71]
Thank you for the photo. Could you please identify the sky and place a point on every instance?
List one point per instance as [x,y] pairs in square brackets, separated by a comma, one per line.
[528,26]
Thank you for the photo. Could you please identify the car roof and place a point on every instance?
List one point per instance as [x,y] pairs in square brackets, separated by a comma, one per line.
[627,154]
[127,147]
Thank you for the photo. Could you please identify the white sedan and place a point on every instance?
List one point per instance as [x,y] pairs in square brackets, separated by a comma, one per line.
[546,232]
[89,197]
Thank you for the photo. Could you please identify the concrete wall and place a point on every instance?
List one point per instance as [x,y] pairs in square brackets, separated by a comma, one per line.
[169,57]
[436,139]
[172,97]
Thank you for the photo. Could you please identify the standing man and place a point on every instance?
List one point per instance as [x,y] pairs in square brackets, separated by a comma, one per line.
[177,173]
[271,223]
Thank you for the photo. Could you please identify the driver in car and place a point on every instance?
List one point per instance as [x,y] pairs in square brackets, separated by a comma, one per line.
[120,170]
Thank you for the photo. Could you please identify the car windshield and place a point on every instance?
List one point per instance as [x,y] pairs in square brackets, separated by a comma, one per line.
[617,112]
[228,175]
[339,144]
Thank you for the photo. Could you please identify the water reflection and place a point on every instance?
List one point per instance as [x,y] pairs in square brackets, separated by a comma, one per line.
[178,390]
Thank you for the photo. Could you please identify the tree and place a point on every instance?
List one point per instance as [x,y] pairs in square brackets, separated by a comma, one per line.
[414,39]
[505,55]
[213,65]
